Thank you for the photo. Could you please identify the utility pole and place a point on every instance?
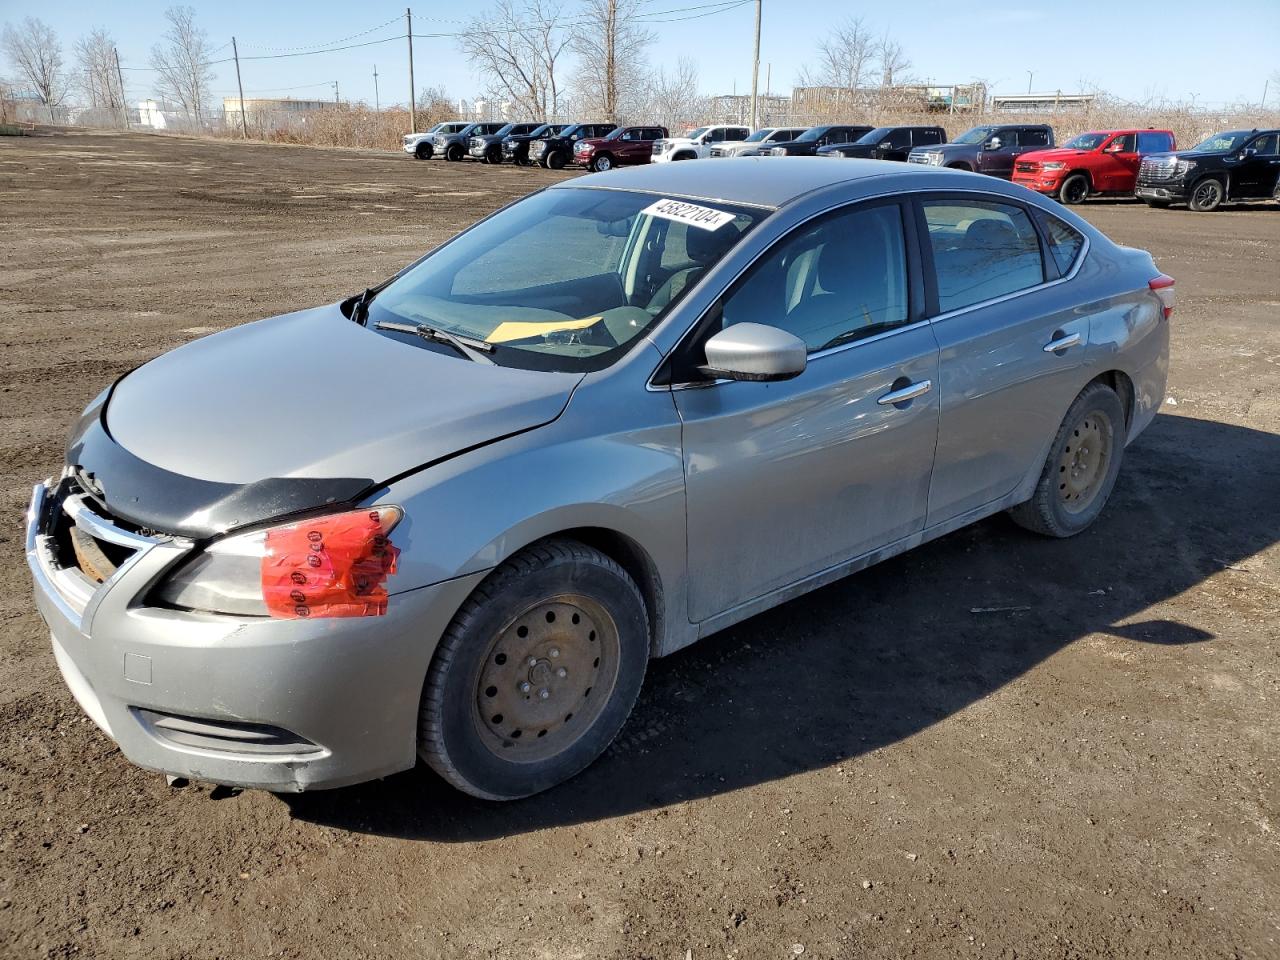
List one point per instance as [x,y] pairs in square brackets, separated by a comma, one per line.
[244,122]
[413,97]
[335,92]
[755,72]
[124,104]
[1030,76]
[376,107]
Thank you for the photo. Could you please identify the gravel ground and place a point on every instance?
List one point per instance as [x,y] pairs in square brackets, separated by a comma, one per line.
[876,770]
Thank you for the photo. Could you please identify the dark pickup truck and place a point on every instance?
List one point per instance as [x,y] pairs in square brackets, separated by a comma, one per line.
[808,143]
[515,149]
[990,149]
[556,151]
[887,143]
[1234,165]
[487,147]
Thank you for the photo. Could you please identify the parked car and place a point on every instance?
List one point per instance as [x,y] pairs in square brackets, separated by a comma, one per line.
[987,149]
[1100,162]
[516,149]
[759,143]
[555,151]
[487,147]
[452,144]
[614,417]
[422,146]
[697,143]
[807,144]
[625,146]
[1234,165]
[886,143]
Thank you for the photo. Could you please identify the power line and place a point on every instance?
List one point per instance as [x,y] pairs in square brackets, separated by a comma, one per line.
[330,43]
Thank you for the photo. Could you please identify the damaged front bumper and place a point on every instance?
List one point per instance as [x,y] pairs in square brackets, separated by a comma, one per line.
[283,705]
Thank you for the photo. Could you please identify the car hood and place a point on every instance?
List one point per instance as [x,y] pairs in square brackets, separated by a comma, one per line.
[313,395]
[849,149]
[1057,153]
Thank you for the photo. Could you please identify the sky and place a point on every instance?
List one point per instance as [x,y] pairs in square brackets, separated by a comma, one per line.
[1118,47]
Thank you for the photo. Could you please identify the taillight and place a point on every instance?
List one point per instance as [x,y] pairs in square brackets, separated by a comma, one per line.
[1162,287]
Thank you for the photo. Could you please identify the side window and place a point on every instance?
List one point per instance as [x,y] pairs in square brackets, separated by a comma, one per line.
[1265,146]
[1065,242]
[1007,138]
[900,139]
[921,138]
[839,280]
[1122,144]
[630,135]
[736,133]
[716,136]
[1154,142]
[653,133]
[1033,138]
[981,250]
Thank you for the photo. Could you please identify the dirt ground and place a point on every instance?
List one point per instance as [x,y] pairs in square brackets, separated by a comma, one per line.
[876,770]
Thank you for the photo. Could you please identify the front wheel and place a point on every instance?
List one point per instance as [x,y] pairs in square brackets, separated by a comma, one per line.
[1081,469]
[1207,195]
[423,151]
[536,674]
[454,153]
[1075,189]
[601,163]
[556,160]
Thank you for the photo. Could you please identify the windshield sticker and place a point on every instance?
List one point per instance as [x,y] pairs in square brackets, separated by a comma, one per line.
[695,216]
[523,329]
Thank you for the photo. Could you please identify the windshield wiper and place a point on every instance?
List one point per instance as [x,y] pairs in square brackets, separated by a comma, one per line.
[360,310]
[470,348]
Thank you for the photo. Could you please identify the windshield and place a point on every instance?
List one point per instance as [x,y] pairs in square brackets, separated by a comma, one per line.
[614,134]
[541,131]
[453,127]
[758,136]
[1086,141]
[875,136]
[976,135]
[437,128]
[1223,142]
[695,134]
[813,133]
[575,130]
[503,131]
[568,278]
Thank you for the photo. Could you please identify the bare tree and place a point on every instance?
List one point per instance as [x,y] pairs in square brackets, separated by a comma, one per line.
[181,61]
[893,61]
[435,105]
[674,99]
[515,47]
[844,62]
[35,51]
[96,74]
[609,42]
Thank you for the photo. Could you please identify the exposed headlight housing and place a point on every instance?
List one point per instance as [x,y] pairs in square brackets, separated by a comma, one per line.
[582,147]
[778,152]
[334,565]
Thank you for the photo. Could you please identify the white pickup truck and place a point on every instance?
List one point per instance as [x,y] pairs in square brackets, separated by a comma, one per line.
[697,143]
[759,143]
[422,145]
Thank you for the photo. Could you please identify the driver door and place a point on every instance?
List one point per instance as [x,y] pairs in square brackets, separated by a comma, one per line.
[1120,163]
[1255,174]
[786,480]
[998,162]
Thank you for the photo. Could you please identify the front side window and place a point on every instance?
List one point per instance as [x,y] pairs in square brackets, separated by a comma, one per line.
[1121,144]
[1153,141]
[566,279]
[842,279]
[981,250]
[1065,242]
[1265,146]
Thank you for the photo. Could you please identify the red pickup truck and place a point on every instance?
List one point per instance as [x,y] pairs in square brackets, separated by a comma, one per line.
[1104,161]
[626,145]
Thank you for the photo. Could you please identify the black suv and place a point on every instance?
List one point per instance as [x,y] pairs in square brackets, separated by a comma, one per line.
[515,149]
[487,147]
[887,143]
[1235,165]
[452,146]
[988,149]
[807,144]
[556,151]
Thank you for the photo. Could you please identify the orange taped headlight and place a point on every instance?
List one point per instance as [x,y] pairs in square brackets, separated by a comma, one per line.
[335,565]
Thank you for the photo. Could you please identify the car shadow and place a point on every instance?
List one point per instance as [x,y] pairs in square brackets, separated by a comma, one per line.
[885,654]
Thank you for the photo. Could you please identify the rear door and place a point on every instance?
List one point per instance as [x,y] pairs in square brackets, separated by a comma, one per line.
[785,480]
[1003,394]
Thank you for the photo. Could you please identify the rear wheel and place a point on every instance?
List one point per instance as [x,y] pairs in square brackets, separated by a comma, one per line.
[555,160]
[1081,469]
[423,151]
[537,673]
[1207,195]
[1075,189]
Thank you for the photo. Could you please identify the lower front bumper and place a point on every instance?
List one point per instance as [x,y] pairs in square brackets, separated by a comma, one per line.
[1168,193]
[1046,185]
[282,705]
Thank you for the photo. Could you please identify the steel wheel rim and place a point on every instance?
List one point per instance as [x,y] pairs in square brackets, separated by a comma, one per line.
[1085,462]
[603,163]
[546,678]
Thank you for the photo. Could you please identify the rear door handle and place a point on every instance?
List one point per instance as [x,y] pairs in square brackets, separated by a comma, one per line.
[909,392]
[1061,343]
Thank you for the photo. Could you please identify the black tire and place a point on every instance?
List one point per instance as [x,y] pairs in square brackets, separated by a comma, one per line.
[1207,195]
[1052,511]
[555,160]
[482,647]
[423,151]
[959,166]
[684,156]
[1157,204]
[453,153]
[1074,189]
[601,162]
[494,156]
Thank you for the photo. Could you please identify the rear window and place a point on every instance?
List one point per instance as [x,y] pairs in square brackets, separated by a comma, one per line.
[981,250]
[1033,137]
[1153,141]
[1065,242]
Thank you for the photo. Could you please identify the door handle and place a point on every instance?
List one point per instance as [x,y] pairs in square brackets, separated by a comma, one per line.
[909,392]
[1062,343]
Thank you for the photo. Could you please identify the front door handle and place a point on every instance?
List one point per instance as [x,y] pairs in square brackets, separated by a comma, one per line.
[909,392]
[1062,342]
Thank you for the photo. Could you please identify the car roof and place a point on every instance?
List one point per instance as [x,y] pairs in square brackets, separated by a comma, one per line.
[753,181]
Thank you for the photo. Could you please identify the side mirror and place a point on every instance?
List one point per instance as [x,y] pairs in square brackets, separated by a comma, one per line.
[993,144]
[886,144]
[1248,152]
[754,351]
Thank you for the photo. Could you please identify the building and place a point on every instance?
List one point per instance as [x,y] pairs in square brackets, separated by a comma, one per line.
[1042,102]
[268,112]
[771,109]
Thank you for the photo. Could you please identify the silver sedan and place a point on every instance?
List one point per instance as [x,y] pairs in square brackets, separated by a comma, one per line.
[453,517]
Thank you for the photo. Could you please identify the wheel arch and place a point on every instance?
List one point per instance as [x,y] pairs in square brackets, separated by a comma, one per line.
[1120,382]
[960,165]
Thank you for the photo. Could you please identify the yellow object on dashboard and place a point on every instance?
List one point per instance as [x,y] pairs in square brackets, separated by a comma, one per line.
[521,329]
